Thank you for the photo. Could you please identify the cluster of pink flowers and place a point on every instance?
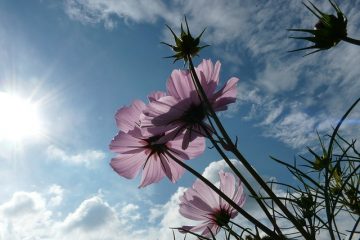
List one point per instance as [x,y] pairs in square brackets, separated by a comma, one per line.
[173,125]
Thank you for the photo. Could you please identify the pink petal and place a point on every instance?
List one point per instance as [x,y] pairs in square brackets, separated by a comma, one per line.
[194,212]
[180,84]
[159,112]
[160,116]
[227,186]
[206,193]
[127,143]
[214,228]
[172,170]
[209,76]
[203,227]
[240,196]
[195,148]
[156,95]
[152,172]
[128,117]
[128,165]
[225,96]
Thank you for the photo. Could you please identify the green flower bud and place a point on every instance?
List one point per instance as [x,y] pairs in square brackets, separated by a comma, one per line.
[328,31]
[186,45]
[307,204]
[321,162]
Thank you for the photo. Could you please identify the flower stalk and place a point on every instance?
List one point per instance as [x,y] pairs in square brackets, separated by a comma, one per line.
[232,148]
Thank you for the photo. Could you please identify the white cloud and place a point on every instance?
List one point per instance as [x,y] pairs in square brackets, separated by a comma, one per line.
[109,11]
[25,216]
[88,158]
[56,195]
[129,212]
[90,216]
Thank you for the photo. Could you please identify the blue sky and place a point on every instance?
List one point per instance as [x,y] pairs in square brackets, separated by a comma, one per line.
[83,59]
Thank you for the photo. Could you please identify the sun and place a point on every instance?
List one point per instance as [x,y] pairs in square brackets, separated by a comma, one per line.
[19,118]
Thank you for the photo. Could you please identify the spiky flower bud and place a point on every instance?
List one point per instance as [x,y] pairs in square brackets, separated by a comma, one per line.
[321,162]
[185,45]
[328,31]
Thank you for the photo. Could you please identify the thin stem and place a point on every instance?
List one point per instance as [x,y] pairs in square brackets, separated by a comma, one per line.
[246,164]
[243,179]
[351,40]
[202,96]
[329,213]
[339,124]
[242,228]
[354,228]
[226,198]
[232,232]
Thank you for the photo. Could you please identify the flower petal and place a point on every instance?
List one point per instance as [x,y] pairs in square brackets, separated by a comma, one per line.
[127,118]
[152,172]
[127,142]
[128,165]
[227,186]
[209,76]
[225,95]
[156,95]
[180,84]
[195,148]
[172,170]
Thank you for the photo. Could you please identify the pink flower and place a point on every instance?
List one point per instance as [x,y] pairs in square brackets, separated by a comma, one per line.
[201,203]
[149,153]
[182,111]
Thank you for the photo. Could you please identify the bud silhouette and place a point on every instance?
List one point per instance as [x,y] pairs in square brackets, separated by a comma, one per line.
[327,32]
[186,45]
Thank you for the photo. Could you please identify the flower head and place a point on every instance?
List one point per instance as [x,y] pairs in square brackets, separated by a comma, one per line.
[201,203]
[152,154]
[328,31]
[182,111]
[186,45]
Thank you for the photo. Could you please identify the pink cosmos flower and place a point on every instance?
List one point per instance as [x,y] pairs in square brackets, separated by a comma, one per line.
[201,203]
[149,153]
[181,110]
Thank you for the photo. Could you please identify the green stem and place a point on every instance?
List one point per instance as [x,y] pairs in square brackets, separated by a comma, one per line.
[351,40]
[329,213]
[246,164]
[243,179]
[232,232]
[225,197]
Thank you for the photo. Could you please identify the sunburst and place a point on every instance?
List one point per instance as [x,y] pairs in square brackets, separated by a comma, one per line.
[19,118]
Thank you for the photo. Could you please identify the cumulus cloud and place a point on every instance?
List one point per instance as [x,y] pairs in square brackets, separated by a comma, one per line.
[56,193]
[25,213]
[92,215]
[29,215]
[88,158]
[129,212]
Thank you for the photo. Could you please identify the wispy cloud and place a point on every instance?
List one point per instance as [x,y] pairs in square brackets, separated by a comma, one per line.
[110,11]
[88,158]
[251,37]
